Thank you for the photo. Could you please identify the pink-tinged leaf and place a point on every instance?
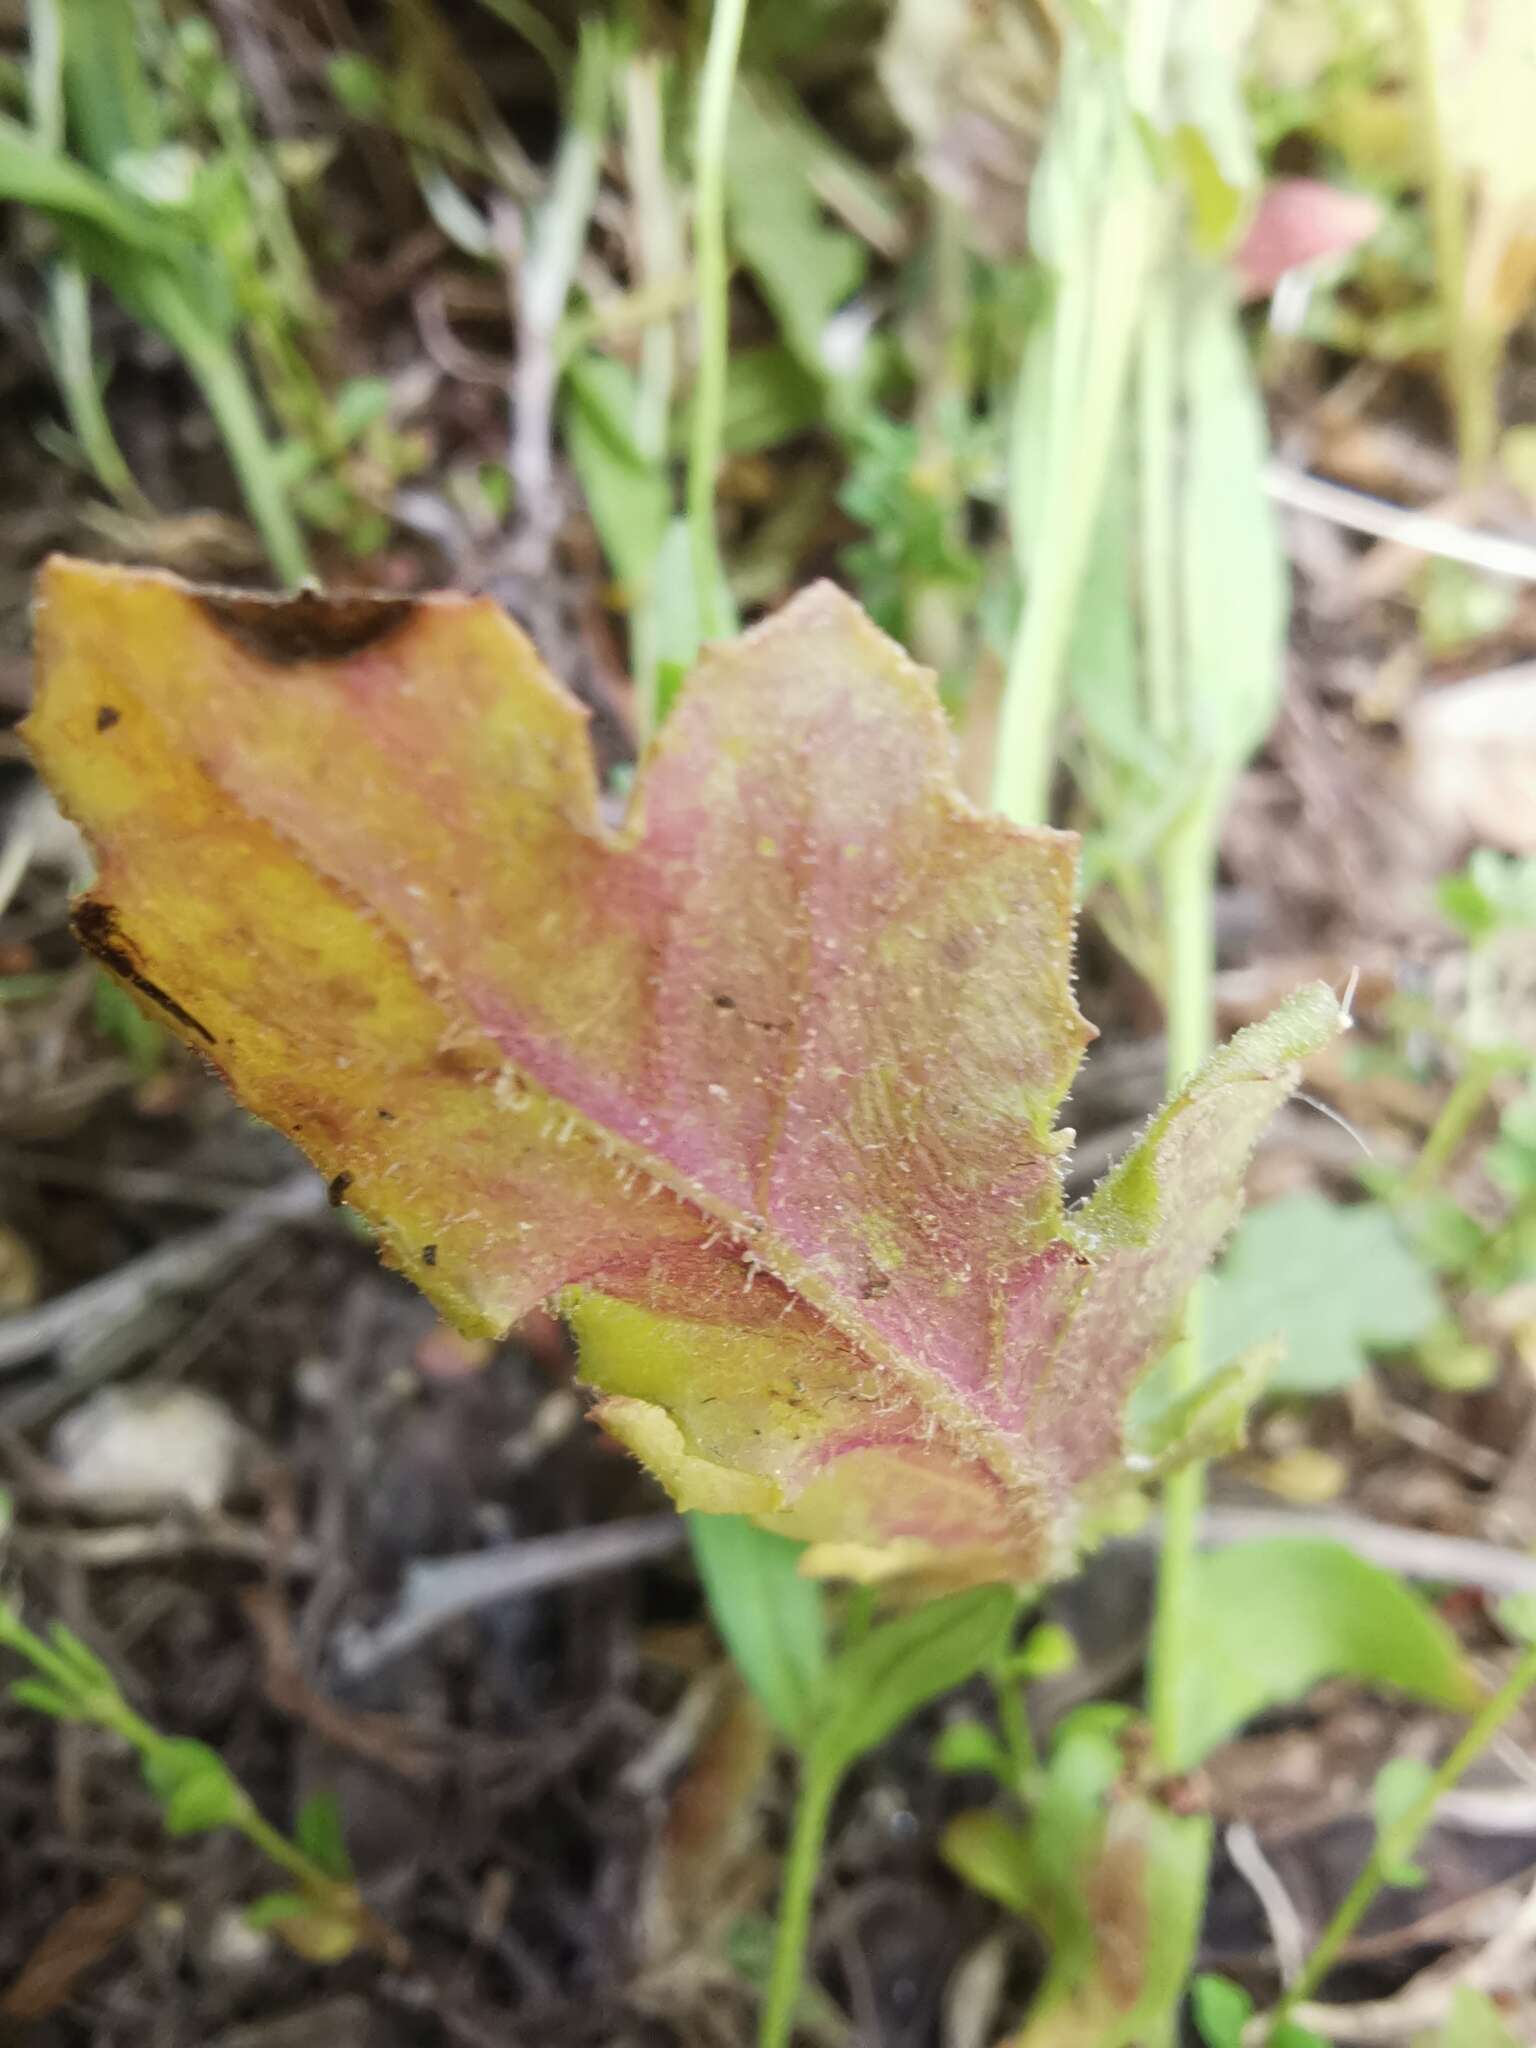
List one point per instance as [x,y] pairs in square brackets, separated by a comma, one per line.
[768,1078]
[1300,221]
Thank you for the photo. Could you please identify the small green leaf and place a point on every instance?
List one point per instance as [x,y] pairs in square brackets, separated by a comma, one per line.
[43,1699]
[1332,1281]
[993,1857]
[1045,1652]
[1272,1619]
[1399,1786]
[967,1746]
[273,1907]
[1517,1617]
[872,1687]
[1217,203]
[1221,2009]
[1474,2021]
[87,1667]
[772,1619]
[1289,2035]
[319,1833]
[194,1787]
[1166,1429]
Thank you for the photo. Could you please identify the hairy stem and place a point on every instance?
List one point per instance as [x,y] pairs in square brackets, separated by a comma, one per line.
[712,272]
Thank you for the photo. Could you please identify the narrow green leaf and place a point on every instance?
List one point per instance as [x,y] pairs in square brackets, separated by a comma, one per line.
[627,491]
[872,1687]
[1221,2010]
[1270,1620]
[43,1698]
[1400,1785]
[993,1857]
[1235,581]
[31,175]
[772,1619]
[967,1746]
[272,1908]
[320,1834]
[83,1662]
[1045,1652]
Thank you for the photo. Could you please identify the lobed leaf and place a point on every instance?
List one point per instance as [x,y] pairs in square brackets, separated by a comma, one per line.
[767,1079]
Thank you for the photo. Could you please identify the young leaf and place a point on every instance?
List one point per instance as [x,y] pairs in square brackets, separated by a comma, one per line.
[1399,1786]
[320,1834]
[1045,1652]
[872,1687]
[968,1746]
[1332,1281]
[194,1787]
[1114,1881]
[993,1856]
[627,490]
[1221,2010]
[44,1698]
[1474,2021]
[771,1073]
[769,1613]
[1273,1619]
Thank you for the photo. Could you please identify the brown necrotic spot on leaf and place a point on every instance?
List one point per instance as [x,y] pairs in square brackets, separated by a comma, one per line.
[95,925]
[309,627]
[107,716]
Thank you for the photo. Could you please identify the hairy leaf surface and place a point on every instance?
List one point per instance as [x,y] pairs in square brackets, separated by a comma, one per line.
[768,1076]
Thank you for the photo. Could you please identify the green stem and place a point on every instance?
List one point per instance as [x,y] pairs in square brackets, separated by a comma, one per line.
[217,369]
[813,1806]
[1157,496]
[1188,873]
[1018,1737]
[661,259]
[1458,1113]
[1448,230]
[712,273]
[1396,1843]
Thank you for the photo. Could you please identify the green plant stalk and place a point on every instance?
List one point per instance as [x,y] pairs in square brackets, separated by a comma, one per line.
[1396,1843]
[108,1710]
[1458,1113]
[817,1788]
[1096,323]
[217,369]
[712,272]
[1188,873]
[1018,1738]
[69,336]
